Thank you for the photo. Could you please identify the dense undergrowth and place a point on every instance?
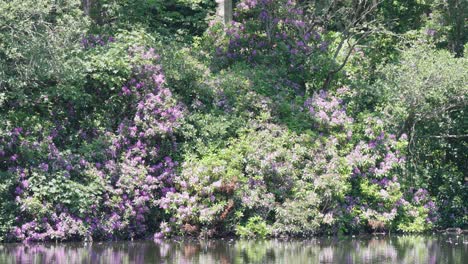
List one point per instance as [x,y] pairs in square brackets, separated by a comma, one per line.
[287,122]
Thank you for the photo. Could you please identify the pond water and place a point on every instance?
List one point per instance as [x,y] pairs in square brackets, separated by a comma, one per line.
[394,249]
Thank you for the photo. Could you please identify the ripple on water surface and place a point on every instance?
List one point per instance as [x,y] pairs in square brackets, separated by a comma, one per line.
[395,249]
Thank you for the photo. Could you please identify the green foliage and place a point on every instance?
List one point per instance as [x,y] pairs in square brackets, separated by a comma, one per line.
[8,208]
[300,216]
[425,97]
[221,189]
[424,82]
[402,16]
[255,227]
[38,46]
[173,19]
[446,24]
[208,132]
[162,121]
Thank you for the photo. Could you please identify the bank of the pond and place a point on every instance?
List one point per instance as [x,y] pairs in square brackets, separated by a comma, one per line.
[232,237]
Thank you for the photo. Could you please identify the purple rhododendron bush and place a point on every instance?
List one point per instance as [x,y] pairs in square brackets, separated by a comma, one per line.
[110,185]
[284,122]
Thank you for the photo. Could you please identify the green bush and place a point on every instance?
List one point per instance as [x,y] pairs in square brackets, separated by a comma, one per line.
[424,96]
[255,227]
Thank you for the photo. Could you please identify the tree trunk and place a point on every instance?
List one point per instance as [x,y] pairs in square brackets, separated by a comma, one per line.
[456,15]
[86,7]
[224,10]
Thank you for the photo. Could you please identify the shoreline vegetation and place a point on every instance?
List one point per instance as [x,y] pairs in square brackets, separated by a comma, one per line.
[123,120]
[448,231]
[234,237]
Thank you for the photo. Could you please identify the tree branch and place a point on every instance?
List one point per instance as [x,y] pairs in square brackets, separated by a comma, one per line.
[449,136]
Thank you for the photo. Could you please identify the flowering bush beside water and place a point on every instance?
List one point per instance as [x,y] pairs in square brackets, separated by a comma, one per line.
[110,185]
[232,135]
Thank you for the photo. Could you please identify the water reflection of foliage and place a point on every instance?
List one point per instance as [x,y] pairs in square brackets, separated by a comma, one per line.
[400,249]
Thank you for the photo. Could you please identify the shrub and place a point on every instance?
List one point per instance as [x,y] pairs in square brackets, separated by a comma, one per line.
[424,96]
[255,227]
[104,182]
[217,192]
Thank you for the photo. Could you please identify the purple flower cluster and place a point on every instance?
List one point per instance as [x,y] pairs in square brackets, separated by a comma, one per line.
[61,227]
[91,41]
[328,110]
[374,156]
[113,191]
[265,28]
[421,197]
[142,170]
